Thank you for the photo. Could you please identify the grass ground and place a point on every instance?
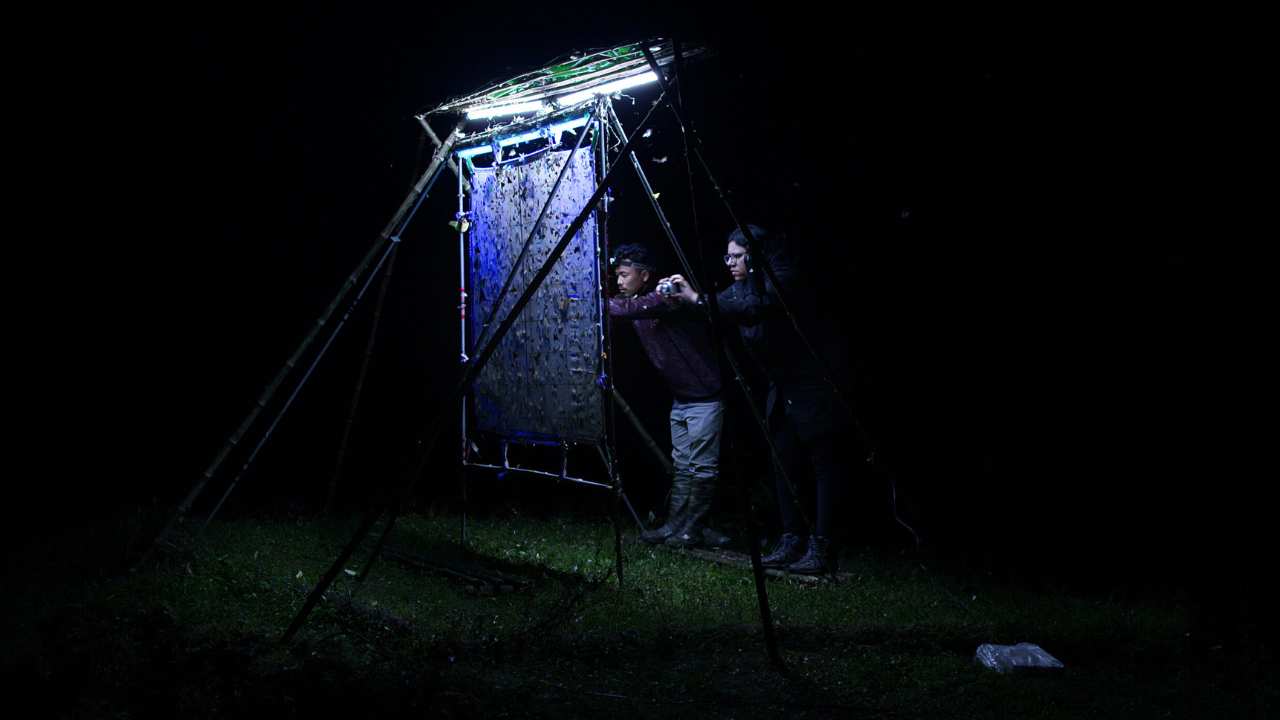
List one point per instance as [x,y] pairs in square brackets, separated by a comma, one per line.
[195,634]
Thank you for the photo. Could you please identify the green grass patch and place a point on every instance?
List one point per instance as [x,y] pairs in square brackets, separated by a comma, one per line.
[196,634]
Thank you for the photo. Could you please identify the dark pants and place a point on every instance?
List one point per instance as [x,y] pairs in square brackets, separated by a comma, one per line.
[801,427]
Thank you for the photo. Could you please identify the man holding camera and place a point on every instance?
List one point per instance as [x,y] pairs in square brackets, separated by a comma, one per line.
[677,341]
[800,405]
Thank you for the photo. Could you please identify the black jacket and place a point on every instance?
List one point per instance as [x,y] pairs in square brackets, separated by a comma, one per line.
[754,307]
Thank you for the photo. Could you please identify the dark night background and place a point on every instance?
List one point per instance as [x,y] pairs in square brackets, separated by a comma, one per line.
[994,209]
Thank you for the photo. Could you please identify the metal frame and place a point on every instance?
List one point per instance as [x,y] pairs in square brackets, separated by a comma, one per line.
[543,87]
[606,446]
[573,74]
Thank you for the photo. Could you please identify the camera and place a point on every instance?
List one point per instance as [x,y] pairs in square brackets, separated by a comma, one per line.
[666,287]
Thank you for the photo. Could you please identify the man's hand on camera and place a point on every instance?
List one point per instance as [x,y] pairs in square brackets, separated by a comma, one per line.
[684,290]
[667,291]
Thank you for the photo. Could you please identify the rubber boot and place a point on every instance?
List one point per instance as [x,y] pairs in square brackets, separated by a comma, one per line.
[689,534]
[675,518]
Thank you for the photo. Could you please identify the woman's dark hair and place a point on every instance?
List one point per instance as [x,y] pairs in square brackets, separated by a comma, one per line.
[766,245]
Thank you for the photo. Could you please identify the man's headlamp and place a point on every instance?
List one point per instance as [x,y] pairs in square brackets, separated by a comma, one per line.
[616,262]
